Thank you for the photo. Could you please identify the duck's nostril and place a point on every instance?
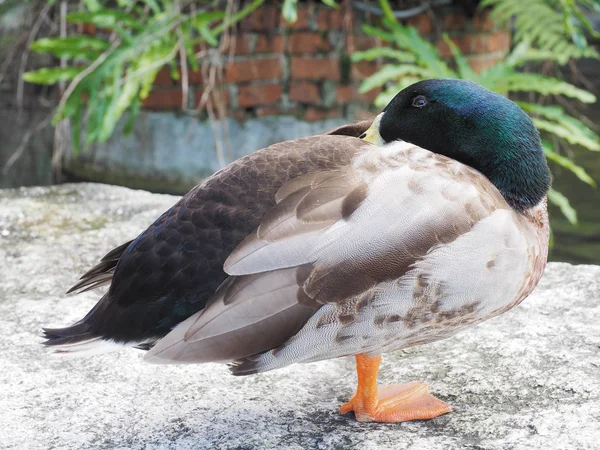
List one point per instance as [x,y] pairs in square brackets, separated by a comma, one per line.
[362,136]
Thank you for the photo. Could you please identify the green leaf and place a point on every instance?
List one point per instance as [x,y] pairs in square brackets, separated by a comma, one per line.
[106,18]
[531,82]
[208,36]
[289,10]
[134,111]
[563,132]
[563,125]
[81,47]
[331,3]
[376,32]
[92,5]
[389,93]
[382,52]
[238,16]
[558,27]
[391,73]
[388,13]
[463,67]
[562,202]
[568,164]
[206,18]
[153,5]
[425,52]
[51,75]
[188,45]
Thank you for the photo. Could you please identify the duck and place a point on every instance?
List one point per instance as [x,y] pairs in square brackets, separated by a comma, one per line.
[370,238]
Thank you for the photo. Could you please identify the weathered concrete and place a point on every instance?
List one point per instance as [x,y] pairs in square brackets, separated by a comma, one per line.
[527,380]
[169,152]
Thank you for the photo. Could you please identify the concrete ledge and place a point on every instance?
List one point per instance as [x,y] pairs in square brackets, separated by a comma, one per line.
[528,379]
[169,152]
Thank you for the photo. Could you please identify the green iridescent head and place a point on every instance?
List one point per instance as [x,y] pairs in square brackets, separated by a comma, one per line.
[473,125]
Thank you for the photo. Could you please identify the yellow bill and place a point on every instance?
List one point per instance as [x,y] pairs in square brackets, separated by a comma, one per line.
[372,134]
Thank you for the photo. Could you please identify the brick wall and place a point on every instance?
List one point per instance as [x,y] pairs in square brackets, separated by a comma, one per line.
[270,67]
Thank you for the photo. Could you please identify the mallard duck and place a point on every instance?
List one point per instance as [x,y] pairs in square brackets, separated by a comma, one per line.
[371,238]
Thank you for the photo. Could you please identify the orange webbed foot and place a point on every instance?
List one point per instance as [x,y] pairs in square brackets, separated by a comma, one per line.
[392,403]
[398,403]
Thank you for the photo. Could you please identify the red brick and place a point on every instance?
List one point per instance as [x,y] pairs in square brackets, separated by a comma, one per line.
[315,68]
[304,92]
[253,69]
[307,42]
[86,28]
[269,44]
[163,77]
[163,100]
[482,21]
[467,44]
[478,63]
[259,95]
[360,42]
[346,94]
[332,19]
[195,77]
[216,95]
[314,114]
[349,93]
[443,48]
[421,22]
[471,44]
[455,21]
[364,114]
[499,41]
[240,44]
[264,18]
[364,69]
[275,111]
[477,44]
[264,43]
[305,14]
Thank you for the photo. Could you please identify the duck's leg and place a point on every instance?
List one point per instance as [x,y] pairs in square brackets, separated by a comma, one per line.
[393,403]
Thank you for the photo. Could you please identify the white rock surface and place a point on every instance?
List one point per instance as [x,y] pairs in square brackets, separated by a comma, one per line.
[527,380]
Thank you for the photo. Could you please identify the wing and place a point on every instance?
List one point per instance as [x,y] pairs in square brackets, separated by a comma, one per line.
[354,250]
[169,272]
[102,273]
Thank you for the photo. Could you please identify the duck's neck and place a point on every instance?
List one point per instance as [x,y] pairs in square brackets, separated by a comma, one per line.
[508,151]
[521,175]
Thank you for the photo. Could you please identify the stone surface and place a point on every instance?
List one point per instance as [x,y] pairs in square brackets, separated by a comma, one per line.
[529,379]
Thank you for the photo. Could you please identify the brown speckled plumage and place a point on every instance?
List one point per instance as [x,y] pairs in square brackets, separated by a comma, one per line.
[366,295]
[171,270]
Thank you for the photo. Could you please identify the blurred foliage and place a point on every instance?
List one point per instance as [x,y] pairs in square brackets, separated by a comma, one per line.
[412,58]
[558,27]
[111,72]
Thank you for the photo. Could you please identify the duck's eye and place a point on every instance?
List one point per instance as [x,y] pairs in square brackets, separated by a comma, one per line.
[419,101]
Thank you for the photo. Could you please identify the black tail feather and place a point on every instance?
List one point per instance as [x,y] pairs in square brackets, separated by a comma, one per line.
[78,332]
[102,272]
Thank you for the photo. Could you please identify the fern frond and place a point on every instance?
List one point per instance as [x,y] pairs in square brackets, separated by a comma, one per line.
[383,52]
[562,202]
[462,65]
[555,120]
[387,94]
[531,82]
[568,164]
[391,72]
[548,25]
